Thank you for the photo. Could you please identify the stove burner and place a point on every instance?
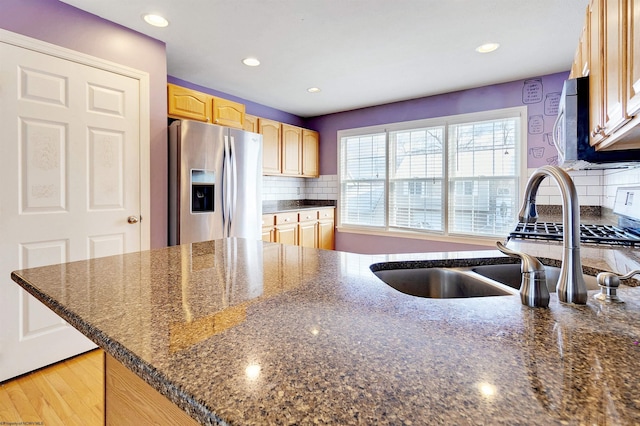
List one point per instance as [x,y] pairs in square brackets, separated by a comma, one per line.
[596,234]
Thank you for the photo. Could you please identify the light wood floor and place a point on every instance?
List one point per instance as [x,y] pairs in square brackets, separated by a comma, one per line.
[68,393]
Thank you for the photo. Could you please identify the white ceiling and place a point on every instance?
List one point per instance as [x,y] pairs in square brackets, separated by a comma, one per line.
[358,52]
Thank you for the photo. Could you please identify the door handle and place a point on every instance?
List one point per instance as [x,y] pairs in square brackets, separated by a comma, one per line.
[133,219]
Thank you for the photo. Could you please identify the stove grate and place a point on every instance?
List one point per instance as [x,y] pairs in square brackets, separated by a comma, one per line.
[596,234]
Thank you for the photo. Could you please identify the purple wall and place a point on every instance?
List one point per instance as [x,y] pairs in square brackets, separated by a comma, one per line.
[251,107]
[539,94]
[375,244]
[66,26]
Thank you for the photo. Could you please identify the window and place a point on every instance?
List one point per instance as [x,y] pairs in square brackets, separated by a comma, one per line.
[454,175]
[363,183]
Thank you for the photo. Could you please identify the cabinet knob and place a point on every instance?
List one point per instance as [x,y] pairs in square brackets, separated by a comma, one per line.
[599,130]
[286,219]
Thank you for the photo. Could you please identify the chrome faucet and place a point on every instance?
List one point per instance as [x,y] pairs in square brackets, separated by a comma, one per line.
[571,287]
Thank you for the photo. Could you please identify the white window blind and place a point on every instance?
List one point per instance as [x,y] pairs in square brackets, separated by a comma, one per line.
[416,179]
[483,176]
[363,180]
[455,175]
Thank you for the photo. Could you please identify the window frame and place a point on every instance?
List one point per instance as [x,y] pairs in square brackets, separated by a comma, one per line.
[445,121]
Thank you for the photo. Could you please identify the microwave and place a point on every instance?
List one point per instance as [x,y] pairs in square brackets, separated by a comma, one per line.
[571,133]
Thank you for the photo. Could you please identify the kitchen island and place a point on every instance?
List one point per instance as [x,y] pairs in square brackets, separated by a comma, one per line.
[244,332]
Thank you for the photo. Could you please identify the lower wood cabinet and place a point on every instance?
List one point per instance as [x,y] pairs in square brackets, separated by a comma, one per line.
[326,229]
[268,228]
[286,229]
[306,228]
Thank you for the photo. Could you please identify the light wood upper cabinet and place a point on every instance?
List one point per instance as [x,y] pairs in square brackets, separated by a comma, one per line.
[294,153]
[271,146]
[187,103]
[584,49]
[251,123]
[575,65]
[580,67]
[614,63]
[633,58]
[228,113]
[291,150]
[596,42]
[286,149]
[310,150]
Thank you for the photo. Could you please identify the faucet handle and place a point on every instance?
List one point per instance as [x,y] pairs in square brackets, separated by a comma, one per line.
[609,283]
[529,263]
[533,287]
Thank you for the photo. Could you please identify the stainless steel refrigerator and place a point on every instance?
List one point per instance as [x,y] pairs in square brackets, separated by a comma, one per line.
[215,182]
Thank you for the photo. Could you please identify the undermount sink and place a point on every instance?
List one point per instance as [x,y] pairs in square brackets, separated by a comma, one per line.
[441,283]
[510,274]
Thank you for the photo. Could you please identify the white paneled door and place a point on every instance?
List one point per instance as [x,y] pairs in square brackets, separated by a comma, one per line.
[69,188]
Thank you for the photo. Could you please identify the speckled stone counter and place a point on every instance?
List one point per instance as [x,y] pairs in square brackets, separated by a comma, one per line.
[252,333]
[292,205]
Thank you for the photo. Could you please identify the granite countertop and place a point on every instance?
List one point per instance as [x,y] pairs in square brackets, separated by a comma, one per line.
[282,206]
[246,332]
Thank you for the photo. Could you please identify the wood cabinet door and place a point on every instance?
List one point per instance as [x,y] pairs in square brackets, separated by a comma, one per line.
[268,231]
[575,66]
[614,61]
[187,103]
[228,113]
[633,58]
[268,235]
[287,234]
[251,123]
[310,153]
[584,49]
[307,234]
[326,229]
[326,234]
[291,150]
[271,146]
[596,116]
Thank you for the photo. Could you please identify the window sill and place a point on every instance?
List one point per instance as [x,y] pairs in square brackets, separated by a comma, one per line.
[482,241]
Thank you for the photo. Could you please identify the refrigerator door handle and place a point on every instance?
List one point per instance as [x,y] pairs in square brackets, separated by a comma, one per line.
[225,188]
[233,182]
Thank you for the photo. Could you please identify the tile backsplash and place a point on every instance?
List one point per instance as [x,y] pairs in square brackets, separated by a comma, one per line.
[324,187]
[595,187]
[613,179]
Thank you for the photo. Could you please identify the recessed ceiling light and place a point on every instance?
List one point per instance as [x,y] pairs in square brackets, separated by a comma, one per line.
[155,20]
[313,90]
[487,47]
[251,62]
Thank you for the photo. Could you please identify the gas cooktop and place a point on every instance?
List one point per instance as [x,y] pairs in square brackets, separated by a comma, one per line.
[627,233]
[596,234]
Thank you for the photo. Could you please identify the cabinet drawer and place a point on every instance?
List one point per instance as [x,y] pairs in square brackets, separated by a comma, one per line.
[307,215]
[268,220]
[285,218]
[326,214]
